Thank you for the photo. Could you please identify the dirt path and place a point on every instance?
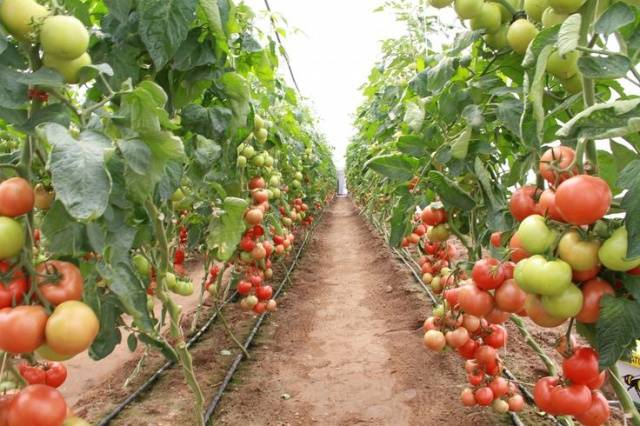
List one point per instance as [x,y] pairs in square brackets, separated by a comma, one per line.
[345,347]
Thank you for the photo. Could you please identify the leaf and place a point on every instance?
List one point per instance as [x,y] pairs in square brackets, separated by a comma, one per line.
[629,179]
[441,74]
[464,40]
[485,182]
[237,89]
[119,9]
[52,113]
[79,174]
[137,155]
[419,84]
[450,193]
[400,219]
[91,71]
[43,77]
[622,154]
[618,327]
[536,92]
[164,25]
[132,342]
[108,311]
[13,93]
[604,120]
[63,235]
[460,145]
[569,34]
[473,116]
[414,115]
[412,145]
[145,107]
[509,113]
[632,285]
[213,122]
[604,67]
[615,17]
[546,37]
[226,229]
[394,166]
[212,12]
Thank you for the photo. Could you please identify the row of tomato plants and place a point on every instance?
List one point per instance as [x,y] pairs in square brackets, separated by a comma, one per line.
[133,135]
[514,135]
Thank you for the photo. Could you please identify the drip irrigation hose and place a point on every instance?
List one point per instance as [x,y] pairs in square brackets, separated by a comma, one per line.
[527,395]
[167,365]
[217,398]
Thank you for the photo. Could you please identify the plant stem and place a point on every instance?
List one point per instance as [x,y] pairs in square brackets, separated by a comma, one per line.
[175,311]
[630,410]
[233,336]
[552,369]
[588,86]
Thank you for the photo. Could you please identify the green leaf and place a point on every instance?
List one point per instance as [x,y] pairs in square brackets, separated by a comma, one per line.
[473,116]
[44,77]
[536,92]
[414,115]
[108,311]
[569,34]
[400,219]
[164,25]
[441,74]
[615,17]
[52,113]
[546,37]
[604,67]
[63,235]
[212,12]
[622,154]
[629,179]
[78,169]
[450,193]
[132,342]
[632,285]
[119,9]
[13,93]
[145,107]
[604,120]
[237,89]
[460,145]
[412,145]
[212,122]
[509,113]
[137,155]
[607,169]
[485,182]
[226,228]
[394,166]
[617,329]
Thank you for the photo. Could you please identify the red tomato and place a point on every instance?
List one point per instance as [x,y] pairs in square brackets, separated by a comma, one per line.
[433,216]
[13,286]
[560,157]
[517,250]
[244,288]
[542,393]
[498,336]
[497,316]
[597,382]
[570,400]
[547,206]
[499,386]
[579,276]
[592,292]
[487,274]
[264,293]
[256,183]
[522,203]
[475,301]
[178,257]
[495,239]
[581,367]
[598,413]
[484,396]
[22,328]
[32,374]
[16,197]
[38,405]
[468,350]
[5,403]
[60,281]
[56,374]
[510,297]
[634,271]
[583,199]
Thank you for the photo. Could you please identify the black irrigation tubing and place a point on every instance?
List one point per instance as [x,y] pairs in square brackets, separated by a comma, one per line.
[167,365]
[217,398]
[528,396]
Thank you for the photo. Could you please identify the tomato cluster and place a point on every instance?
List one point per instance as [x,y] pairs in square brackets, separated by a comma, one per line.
[430,224]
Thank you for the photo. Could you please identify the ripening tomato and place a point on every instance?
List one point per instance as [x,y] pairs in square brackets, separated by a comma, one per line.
[582,366]
[509,297]
[488,273]
[560,157]
[72,328]
[37,405]
[523,203]
[475,301]
[580,254]
[433,215]
[13,286]
[516,403]
[16,197]
[60,281]
[583,199]
[467,398]
[22,329]
[434,340]
[520,34]
[613,253]
[598,412]
[592,292]
[256,183]
[499,386]
[254,216]
[438,233]
[496,239]
[535,235]
[486,356]
[498,336]
[547,205]
[497,316]
[457,337]
[537,313]
[518,252]
[564,305]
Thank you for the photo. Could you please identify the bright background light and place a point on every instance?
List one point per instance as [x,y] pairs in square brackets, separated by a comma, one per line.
[333,44]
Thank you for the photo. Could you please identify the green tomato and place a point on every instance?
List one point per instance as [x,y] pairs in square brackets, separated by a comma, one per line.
[566,6]
[45,352]
[68,68]
[564,305]
[242,161]
[276,193]
[142,265]
[298,176]
[64,37]
[274,181]
[489,18]
[248,151]
[547,278]
[296,183]
[535,8]
[75,421]
[258,122]
[150,303]
[467,9]
[563,67]
[573,85]
[184,288]
[12,237]
[18,15]
[505,15]
[177,196]
[171,281]
[245,256]
[261,135]
[613,253]
[439,4]
[552,18]
[258,160]
[520,34]
[519,276]
[439,310]
[535,236]
[268,160]
[438,233]
[580,254]
[497,40]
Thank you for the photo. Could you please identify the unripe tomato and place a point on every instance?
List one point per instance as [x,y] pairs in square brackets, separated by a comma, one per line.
[72,328]
[551,18]
[489,18]
[438,233]
[581,255]
[520,34]
[497,40]
[538,275]
[535,8]
[19,15]
[535,235]
[262,135]
[44,198]
[467,9]
[583,199]
[535,311]
[241,161]
[564,305]
[439,4]
[563,67]
[64,37]
[573,85]
[12,237]
[566,6]
[613,253]
[70,69]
